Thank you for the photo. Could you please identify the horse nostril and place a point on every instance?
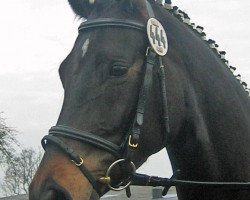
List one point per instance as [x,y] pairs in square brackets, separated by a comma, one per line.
[48,195]
[55,195]
[60,196]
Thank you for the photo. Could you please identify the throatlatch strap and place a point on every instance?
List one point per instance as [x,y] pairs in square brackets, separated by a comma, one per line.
[73,156]
[164,95]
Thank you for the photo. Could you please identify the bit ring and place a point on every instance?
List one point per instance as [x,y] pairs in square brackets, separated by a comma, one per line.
[119,188]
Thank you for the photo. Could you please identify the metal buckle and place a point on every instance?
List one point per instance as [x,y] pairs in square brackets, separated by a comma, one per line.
[132,144]
[78,164]
[107,180]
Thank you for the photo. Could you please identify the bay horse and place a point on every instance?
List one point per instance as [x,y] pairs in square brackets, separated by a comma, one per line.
[119,104]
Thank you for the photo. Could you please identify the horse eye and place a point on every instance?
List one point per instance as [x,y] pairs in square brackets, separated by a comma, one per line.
[118,70]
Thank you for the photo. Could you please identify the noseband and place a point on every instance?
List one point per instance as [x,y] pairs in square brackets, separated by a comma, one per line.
[125,151]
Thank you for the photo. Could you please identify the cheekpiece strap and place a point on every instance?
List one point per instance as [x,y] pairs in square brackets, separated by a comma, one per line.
[134,137]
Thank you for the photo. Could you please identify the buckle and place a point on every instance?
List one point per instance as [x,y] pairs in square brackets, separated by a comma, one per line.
[133,145]
[78,164]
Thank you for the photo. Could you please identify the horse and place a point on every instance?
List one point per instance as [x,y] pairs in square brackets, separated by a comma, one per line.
[126,99]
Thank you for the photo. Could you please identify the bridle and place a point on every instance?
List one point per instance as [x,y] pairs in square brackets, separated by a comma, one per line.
[125,151]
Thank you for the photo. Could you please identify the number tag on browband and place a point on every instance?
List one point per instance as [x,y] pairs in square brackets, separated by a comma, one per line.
[157,37]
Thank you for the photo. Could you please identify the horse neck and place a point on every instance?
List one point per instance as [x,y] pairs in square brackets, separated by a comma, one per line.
[211,108]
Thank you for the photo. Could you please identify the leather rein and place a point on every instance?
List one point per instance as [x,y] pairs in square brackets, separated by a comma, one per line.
[125,151]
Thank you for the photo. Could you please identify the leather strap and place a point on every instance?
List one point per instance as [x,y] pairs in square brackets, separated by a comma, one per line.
[145,180]
[143,96]
[146,86]
[162,77]
[73,156]
[86,137]
[151,13]
[111,22]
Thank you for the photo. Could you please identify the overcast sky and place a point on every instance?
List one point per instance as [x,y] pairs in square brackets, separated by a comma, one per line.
[36,35]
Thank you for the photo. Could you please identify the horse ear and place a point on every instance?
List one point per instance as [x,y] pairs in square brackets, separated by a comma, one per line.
[82,7]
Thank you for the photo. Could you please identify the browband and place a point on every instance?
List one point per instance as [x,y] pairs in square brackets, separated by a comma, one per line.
[111,22]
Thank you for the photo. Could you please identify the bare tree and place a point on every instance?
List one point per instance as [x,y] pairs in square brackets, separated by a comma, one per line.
[20,171]
[7,139]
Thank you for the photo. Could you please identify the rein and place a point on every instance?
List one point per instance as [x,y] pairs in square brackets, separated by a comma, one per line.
[124,152]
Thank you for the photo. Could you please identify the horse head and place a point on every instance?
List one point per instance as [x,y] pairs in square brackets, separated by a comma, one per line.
[102,78]
[125,99]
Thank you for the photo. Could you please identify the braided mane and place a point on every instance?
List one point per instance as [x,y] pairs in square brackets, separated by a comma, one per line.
[199,30]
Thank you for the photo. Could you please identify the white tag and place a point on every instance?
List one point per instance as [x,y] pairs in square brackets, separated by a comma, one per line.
[157,37]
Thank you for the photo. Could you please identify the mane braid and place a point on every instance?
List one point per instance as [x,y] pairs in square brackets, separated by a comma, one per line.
[184,18]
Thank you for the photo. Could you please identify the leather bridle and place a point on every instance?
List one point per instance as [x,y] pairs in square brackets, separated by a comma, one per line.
[125,151]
